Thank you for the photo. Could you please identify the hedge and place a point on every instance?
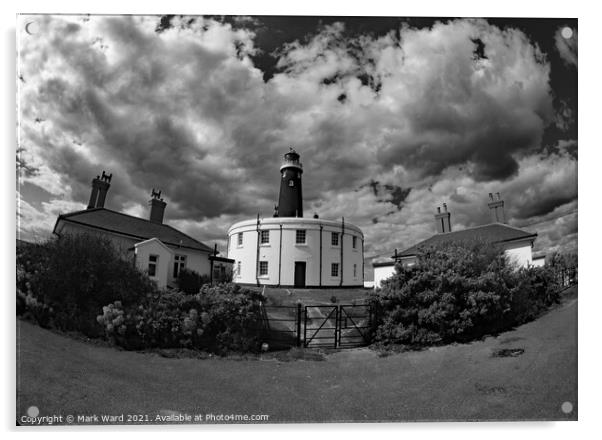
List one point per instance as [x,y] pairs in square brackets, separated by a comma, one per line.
[458,292]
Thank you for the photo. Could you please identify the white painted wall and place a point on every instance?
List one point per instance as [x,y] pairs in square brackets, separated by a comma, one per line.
[195,260]
[519,252]
[144,250]
[381,273]
[283,242]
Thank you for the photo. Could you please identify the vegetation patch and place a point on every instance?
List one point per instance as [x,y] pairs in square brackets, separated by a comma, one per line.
[64,283]
[459,292]
[82,283]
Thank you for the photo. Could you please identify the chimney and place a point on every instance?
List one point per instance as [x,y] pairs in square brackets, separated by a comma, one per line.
[157,207]
[100,186]
[496,206]
[443,220]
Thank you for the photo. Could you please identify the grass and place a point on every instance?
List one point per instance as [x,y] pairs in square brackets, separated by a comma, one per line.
[61,375]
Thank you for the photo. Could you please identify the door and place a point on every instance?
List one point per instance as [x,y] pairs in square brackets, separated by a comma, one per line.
[299,273]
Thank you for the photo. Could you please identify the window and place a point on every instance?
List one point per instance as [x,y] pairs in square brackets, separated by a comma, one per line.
[354,242]
[152,265]
[334,240]
[263,268]
[355,270]
[179,263]
[238,268]
[265,237]
[300,236]
[334,270]
[291,182]
[240,238]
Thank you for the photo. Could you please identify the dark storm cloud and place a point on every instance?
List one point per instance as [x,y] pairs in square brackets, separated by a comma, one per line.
[448,112]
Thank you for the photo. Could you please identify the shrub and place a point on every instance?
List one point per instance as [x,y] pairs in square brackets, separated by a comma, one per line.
[458,292]
[71,278]
[219,319]
[190,282]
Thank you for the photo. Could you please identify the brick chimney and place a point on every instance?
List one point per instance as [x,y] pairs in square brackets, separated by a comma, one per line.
[100,186]
[443,220]
[496,206]
[157,207]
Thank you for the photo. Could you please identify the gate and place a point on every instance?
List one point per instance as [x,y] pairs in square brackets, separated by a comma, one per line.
[355,326]
[338,326]
[320,326]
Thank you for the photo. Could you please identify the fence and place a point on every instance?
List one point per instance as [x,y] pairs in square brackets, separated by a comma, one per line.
[566,277]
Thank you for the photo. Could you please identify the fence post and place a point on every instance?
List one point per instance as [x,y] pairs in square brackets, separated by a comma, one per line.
[305,328]
[299,324]
[337,326]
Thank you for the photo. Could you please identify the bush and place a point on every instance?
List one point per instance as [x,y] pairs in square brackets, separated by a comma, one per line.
[218,319]
[458,292]
[190,282]
[68,280]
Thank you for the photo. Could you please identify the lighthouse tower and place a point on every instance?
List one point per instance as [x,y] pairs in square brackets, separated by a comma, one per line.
[290,202]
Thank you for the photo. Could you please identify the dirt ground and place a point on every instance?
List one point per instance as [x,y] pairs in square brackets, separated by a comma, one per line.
[63,376]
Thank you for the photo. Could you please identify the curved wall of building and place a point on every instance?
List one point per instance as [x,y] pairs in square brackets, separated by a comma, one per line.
[299,252]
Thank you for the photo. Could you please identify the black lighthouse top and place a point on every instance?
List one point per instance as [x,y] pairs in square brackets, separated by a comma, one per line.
[290,202]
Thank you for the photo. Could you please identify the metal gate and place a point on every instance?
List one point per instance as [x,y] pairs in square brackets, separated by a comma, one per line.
[337,326]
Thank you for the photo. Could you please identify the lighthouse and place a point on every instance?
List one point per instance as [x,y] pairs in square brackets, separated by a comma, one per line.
[288,250]
[290,201]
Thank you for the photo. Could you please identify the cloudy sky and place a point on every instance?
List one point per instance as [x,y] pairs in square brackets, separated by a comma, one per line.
[392,117]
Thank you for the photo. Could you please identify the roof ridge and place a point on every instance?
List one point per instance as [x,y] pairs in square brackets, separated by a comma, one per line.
[81,211]
[185,234]
[414,247]
[97,209]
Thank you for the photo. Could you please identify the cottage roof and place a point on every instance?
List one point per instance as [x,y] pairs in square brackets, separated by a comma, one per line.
[135,227]
[491,233]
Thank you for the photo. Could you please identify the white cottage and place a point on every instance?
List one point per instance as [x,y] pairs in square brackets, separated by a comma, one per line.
[158,249]
[517,243]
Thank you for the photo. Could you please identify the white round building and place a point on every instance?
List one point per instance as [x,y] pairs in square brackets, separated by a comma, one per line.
[288,250]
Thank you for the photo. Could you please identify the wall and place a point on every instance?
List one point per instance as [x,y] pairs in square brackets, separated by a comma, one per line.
[381,273]
[147,248]
[195,260]
[519,253]
[282,252]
